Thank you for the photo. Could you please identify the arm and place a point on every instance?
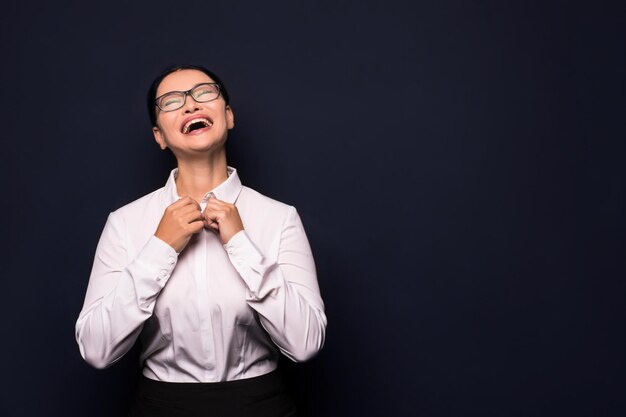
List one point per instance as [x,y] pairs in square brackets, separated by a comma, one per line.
[284,292]
[122,292]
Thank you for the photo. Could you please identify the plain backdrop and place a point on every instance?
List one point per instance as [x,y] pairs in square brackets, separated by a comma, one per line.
[458,167]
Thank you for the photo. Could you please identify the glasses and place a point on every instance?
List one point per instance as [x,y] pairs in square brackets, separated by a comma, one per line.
[201,93]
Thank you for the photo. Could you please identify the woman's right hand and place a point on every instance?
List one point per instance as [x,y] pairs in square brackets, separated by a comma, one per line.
[180,221]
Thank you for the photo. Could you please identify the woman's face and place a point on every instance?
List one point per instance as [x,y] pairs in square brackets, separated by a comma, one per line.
[209,121]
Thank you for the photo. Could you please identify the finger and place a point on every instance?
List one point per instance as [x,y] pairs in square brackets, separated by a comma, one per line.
[191,217]
[209,221]
[196,226]
[189,201]
[182,201]
[210,225]
[183,211]
[211,216]
[214,215]
[217,203]
[210,210]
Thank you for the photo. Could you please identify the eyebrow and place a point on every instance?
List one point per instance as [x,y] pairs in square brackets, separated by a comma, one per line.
[182,91]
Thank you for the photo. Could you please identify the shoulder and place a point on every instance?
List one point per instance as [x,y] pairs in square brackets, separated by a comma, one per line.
[262,200]
[134,223]
[262,206]
[142,206]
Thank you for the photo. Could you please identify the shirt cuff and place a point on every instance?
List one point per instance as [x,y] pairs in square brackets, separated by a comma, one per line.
[247,259]
[156,260]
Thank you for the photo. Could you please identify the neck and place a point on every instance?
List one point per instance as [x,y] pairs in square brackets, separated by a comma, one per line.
[196,177]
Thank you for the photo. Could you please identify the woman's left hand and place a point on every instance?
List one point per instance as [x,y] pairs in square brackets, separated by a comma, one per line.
[222,218]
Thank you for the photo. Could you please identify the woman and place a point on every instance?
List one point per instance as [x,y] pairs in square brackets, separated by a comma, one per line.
[214,277]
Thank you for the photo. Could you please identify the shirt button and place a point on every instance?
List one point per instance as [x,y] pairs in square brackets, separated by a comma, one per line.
[163,273]
[231,251]
[171,260]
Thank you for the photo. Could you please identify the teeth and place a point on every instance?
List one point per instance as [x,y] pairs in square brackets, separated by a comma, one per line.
[197,120]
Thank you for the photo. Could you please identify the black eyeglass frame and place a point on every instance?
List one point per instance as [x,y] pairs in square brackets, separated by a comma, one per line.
[187,93]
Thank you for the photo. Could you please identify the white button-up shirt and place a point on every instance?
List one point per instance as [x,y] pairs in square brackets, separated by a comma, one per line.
[213,312]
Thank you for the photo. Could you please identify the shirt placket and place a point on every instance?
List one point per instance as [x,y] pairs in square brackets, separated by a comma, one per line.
[201,273]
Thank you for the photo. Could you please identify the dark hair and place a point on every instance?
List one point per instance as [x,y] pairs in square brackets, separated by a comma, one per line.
[157,81]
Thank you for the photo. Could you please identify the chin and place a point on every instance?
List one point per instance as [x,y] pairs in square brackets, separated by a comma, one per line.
[209,147]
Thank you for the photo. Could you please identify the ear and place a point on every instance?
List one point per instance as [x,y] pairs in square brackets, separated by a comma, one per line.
[159,138]
[230,117]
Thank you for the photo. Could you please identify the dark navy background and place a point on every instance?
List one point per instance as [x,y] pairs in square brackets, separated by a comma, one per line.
[459,167]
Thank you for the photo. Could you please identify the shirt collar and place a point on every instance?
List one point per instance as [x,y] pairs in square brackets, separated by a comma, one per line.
[227,191]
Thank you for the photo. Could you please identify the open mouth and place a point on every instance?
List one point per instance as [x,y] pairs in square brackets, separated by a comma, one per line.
[196,124]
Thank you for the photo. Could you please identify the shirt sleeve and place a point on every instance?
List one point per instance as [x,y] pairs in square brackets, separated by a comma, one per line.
[284,292]
[121,293]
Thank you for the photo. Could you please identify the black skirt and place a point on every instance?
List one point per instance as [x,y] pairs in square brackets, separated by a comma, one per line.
[262,396]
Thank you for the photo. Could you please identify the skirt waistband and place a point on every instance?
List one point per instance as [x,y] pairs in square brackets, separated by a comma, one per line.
[260,396]
[269,379]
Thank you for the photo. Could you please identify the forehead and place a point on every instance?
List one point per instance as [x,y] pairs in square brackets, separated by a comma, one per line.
[182,80]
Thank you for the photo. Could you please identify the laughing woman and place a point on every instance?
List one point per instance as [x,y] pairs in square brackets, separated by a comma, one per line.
[215,278]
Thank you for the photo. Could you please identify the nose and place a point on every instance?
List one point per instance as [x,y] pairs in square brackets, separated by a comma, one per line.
[190,105]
